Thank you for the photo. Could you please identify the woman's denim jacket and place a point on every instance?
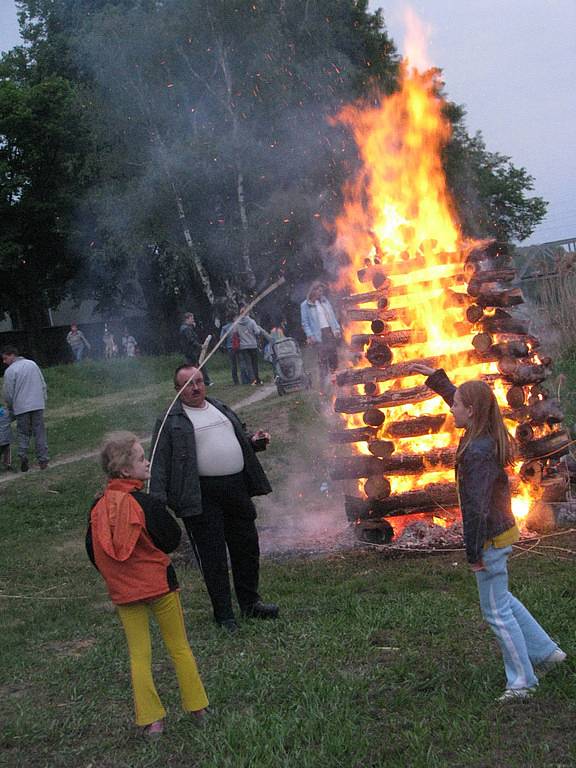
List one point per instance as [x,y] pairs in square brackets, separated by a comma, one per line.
[310,321]
[483,488]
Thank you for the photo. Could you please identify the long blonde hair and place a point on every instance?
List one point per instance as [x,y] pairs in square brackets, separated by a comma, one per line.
[486,420]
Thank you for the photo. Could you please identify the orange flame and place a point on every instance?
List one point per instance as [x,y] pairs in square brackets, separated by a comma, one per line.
[398,222]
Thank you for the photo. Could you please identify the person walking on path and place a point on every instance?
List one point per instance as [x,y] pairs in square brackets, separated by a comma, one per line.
[490,529]
[322,329]
[249,333]
[191,345]
[24,393]
[205,468]
[77,342]
[128,540]
[129,344]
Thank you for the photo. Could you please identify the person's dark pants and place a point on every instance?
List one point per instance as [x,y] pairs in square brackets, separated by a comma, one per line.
[28,424]
[254,361]
[327,354]
[233,357]
[246,368]
[227,521]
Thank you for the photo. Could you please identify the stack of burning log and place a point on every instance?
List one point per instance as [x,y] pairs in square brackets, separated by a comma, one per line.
[390,475]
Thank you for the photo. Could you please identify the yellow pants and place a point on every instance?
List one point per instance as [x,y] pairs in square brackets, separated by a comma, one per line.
[168,613]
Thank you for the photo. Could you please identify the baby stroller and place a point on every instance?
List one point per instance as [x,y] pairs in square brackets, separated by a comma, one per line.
[289,373]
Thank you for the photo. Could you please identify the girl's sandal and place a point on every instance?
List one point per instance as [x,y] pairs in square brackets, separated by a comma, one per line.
[154,730]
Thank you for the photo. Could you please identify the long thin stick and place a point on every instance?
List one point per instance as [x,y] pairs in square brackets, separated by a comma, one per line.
[247,309]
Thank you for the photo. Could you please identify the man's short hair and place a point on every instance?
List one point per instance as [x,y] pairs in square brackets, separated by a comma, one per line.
[184,367]
[9,350]
[187,315]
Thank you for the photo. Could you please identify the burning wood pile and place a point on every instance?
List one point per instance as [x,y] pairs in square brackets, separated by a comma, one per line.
[416,292]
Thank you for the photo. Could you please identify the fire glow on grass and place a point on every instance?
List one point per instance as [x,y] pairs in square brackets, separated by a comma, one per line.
[398,220]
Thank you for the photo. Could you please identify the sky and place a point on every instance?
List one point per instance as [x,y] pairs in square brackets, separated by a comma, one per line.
[512,64]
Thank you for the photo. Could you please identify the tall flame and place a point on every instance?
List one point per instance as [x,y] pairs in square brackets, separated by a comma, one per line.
[398,219]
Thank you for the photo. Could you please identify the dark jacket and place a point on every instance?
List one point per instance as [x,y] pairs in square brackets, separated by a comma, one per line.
[190,343]
[161,532]
[483,487]
[174,477]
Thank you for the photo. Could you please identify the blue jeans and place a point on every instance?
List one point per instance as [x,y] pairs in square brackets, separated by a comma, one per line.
[522,640]
[78,353]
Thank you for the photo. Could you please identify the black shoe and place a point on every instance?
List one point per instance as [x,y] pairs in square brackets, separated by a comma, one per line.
[230,625]
[261,610]
[24,466]
[43,464]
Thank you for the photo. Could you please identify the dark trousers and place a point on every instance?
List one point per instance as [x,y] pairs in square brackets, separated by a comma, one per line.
[233,357]
[248,365]
[327,354]
[28,424]
[227,521]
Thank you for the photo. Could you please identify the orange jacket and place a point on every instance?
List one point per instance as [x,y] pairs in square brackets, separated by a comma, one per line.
[132,565]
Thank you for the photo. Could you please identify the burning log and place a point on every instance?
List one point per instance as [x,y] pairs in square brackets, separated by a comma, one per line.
[522,373]
[352,467]
[482,343]
[362,298]
[524,433]
[416,426]
[391,338]
[545,516]
[515,397]
[503,324]
[378,353]
[509,349]
[556,443]
[374,417]
[389,399]
[541,412]
[383,449]
[428,498]
[352,376]
[358,435]
[474,313]
[491,296]
[481,277]
[377,487]
[412,463]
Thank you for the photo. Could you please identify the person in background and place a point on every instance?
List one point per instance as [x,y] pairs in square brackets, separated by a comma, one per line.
[190,344]
[110,346]
[249,333]
[231,343]
[77,342]
[128,540]
[24,393]
[485,449]
[5,438]
[322,329]
[129,343]
[276,333]
[205,468]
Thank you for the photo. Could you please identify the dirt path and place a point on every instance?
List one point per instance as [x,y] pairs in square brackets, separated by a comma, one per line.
[259,394]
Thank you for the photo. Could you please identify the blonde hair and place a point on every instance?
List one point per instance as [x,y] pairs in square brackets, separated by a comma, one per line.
[117,452]
[316,284]
[486,420]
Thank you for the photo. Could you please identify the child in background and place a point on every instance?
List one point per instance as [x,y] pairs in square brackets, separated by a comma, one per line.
[5,438]
[128,538]
[490,529]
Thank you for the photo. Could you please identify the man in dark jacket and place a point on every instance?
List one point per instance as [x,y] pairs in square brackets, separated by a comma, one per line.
[206,470]
[190,344]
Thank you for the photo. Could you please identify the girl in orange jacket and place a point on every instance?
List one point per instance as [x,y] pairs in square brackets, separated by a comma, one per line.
[128,540]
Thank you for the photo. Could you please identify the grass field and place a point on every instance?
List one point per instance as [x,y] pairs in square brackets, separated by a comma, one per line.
[375,661]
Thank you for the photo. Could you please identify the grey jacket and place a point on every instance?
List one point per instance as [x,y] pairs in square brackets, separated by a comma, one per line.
[174,477]
[24,387]
[248,330]
[483,488]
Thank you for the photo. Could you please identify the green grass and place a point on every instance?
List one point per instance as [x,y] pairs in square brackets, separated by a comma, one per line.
[375,661]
